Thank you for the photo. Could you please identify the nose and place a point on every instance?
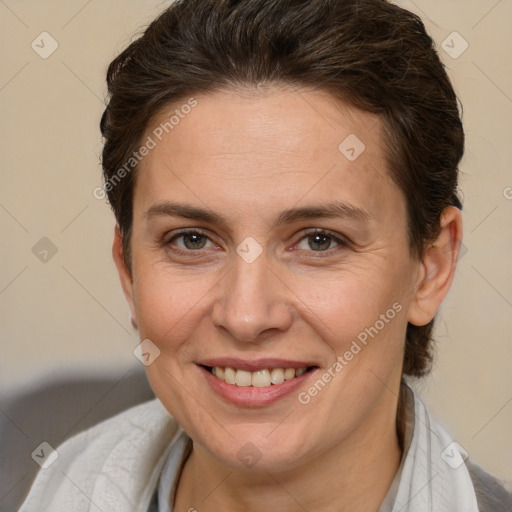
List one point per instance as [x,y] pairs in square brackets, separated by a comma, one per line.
[253,302]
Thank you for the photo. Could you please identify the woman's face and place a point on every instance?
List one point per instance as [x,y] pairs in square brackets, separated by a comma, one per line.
[295,255]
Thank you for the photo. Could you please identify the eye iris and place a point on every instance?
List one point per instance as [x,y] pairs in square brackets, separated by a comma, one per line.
[194,241]
[319,242]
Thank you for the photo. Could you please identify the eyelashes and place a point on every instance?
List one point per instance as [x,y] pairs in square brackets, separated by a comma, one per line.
[194,242]
[195,238]
[320,236]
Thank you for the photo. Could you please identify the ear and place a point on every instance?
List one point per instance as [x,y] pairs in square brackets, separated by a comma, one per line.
[437,269]
[125,275]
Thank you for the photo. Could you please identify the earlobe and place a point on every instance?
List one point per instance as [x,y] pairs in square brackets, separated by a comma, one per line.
[437,269]
[125,275]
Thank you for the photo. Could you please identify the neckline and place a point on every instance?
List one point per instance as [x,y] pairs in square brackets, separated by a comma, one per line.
[180,448]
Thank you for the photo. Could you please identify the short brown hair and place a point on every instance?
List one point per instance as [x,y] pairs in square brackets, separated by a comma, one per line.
[372,54]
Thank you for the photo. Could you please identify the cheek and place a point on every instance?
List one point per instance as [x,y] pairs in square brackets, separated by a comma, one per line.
[360,315]
[347,300]
[168,305]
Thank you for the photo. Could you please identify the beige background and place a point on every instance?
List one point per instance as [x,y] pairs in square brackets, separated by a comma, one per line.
[68,315]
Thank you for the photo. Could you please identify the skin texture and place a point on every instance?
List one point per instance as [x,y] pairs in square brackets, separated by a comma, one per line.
[248,156]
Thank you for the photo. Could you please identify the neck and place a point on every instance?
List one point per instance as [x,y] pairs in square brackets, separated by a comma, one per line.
[354,475]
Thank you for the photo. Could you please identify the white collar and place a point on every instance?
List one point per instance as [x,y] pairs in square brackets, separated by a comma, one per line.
[424,482]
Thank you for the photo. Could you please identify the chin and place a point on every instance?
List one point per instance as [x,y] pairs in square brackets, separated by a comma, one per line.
[252,448]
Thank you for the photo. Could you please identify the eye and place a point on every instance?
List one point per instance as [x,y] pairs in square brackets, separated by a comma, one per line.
[192,240]
[319,241]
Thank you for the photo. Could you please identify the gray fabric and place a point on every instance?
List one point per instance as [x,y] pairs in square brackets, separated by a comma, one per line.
[58,411]
[389,500]
[53,412]
[490,493]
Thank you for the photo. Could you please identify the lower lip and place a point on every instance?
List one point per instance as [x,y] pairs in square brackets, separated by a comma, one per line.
[249,396]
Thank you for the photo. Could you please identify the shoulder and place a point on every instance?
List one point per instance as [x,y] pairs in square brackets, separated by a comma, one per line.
[114,465]
[491,493]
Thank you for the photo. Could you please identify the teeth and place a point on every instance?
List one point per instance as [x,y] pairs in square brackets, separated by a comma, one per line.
[289,373]
[229,375]
[277,376]
[260,379]
[257,379]
[243,378]
[218,372]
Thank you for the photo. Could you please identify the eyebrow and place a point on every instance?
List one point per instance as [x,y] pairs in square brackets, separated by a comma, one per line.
[187,211]
[335,209]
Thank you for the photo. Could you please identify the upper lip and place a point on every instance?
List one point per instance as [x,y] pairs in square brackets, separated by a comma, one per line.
[254,364]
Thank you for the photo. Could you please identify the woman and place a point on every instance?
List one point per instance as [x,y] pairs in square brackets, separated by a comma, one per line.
[284,177]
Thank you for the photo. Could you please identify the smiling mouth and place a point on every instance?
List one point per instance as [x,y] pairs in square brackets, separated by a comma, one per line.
[259,379]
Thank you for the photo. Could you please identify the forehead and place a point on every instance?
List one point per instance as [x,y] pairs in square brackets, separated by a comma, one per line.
[263,150]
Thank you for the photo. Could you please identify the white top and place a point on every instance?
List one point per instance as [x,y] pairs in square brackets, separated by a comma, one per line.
[170,476]
[117,465]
